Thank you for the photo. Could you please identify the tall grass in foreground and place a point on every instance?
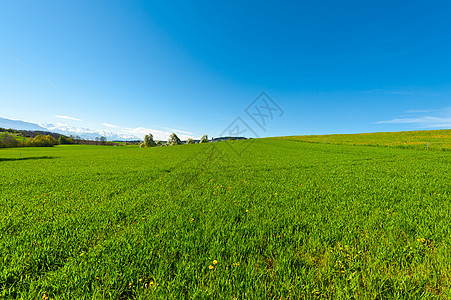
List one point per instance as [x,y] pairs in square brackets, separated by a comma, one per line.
[283,220]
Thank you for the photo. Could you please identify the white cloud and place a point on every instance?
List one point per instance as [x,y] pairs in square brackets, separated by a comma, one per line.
[417,111]
[177,130]
[428,120]
[48,82]
[389,92]
[19,61]
[110,125]
[138,132]
[441,120]
[68,118]
[86,133]
[157,134]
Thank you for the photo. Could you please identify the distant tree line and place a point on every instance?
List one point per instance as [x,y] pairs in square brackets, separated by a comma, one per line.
[172,140]
[11,138]
[175,140]
[32,134]
[11,141]
[8,140]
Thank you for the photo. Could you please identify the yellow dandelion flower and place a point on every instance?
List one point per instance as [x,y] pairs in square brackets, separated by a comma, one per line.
[215,262]
[211,267]
[247,210]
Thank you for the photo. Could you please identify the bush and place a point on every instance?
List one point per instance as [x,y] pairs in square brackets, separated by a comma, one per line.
[148,141]
[190,141]
[42,141]
[62,140]
[174,140]
[8,142]
[204,139]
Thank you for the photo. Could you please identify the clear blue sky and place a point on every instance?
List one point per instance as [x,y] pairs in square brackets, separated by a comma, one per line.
[331,66]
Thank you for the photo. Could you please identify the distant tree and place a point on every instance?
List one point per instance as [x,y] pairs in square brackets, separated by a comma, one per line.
[43,141]
[37,141]
[148,141]
[204,139]
[190,141]
[50,140]
[9,141]
[159,143]
[174,140]
[102,140]
[62,140]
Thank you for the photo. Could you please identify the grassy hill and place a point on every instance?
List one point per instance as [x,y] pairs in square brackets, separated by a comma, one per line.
[274,218]
[437,139]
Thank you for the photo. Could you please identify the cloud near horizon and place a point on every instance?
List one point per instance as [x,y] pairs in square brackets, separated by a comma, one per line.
[157,134]
[416,111]
[110,125]
[177,130]
[441,120]
[138,132]
[68,118]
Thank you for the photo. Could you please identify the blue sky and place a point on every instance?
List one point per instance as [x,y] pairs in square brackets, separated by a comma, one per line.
[194,67]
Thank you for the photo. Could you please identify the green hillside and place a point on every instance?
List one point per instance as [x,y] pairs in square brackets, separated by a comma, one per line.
[271,218]
[437,139]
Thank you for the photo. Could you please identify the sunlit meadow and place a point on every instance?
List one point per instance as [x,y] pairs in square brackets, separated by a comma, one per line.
[255,219]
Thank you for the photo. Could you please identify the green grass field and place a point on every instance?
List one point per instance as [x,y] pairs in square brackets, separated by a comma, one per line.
[282,219]
[421,140]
